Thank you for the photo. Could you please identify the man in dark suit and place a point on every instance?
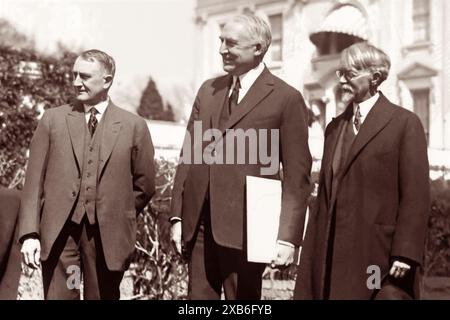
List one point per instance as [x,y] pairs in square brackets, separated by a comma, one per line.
[90,174]
[208,205]
[365,237]
[10,267]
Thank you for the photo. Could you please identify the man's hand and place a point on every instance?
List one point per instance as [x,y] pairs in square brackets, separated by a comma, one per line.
[175,235]
[31,253]
[284,256]
[399,269]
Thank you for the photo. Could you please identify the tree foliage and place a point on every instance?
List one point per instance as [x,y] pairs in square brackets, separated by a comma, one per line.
[152,107]
[29,83]
[437,254]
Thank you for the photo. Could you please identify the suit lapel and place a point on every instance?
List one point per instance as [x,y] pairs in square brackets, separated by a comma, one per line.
[378,117]
[76,125]
[262,86]
[335,138]
[219,97]
[110,133]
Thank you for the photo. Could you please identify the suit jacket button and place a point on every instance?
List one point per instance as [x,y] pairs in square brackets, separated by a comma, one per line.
[74,193]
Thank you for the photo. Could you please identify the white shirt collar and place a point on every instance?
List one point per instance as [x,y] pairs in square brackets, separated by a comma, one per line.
[247,79]
[366,106]
[101,107]
[364,109]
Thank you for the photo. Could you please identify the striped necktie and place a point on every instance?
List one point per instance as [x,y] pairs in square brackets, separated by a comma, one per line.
[92,124]
[234,98]
[357,118]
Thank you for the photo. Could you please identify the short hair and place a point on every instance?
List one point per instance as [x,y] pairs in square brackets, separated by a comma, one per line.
[105,60]
[257,28]
[364,56]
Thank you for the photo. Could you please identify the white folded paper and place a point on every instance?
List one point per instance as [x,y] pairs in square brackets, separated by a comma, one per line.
[263,218]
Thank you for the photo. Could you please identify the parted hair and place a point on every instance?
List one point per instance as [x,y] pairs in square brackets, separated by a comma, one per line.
[257,28]
[364,56]
[105,60]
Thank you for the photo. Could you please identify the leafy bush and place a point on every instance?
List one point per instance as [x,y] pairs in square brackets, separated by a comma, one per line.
[29,83]
[437,254]
[158,272]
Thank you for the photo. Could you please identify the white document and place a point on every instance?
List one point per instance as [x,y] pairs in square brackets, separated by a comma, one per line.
[263,218]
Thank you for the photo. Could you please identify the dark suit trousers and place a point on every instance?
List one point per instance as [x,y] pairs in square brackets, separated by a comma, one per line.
[10,267]
[212,266]
[10,270]
[76,254]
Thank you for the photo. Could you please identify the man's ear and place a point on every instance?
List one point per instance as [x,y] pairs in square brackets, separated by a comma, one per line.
[376,79]
[258,51]
[108,81]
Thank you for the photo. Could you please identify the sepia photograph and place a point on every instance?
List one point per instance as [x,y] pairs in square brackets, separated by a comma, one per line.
[224,150]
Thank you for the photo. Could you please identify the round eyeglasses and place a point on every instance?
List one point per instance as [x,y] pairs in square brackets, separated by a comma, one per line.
[350,74]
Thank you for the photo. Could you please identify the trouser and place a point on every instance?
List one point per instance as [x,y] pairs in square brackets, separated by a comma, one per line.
[78,254]
[212,267]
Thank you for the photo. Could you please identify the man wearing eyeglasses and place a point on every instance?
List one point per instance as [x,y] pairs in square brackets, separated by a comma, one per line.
[208,204]
[366,236]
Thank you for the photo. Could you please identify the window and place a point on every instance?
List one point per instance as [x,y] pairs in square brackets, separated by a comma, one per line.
[276,24]
[422,108]
[421,20]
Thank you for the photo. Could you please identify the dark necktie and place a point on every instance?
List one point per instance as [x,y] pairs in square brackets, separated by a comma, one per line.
[357,119]
[92,124]
[234,98]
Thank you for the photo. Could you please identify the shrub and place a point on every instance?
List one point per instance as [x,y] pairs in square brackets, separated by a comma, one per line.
[158,272]
[29,83]
[437,254]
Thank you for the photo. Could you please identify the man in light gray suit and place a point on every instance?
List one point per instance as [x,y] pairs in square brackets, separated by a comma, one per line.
[89,175]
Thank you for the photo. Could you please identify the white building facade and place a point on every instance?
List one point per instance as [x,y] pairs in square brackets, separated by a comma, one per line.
[308,36]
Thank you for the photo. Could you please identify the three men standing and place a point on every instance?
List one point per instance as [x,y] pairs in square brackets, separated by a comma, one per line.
[90,174]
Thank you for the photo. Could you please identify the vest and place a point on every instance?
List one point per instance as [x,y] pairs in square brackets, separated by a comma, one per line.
[86,202]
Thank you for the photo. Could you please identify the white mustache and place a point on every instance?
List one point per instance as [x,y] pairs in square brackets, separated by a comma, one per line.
[347,88]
